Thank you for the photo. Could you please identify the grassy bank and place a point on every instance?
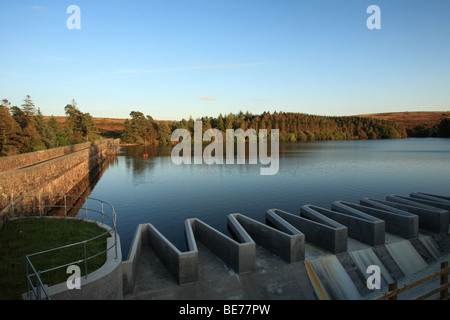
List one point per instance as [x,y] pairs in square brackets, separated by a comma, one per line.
[29,235]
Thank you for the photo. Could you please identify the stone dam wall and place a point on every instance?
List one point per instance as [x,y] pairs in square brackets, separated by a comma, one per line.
[50,172]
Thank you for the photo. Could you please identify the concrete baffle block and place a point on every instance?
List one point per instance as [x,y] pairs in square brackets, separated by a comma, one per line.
[319,230]
[240,256]
[400,223]
[290,246]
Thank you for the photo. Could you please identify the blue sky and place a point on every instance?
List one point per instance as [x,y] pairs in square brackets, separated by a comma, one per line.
[175,58]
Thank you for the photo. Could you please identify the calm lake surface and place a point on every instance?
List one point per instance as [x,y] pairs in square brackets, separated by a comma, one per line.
[154,190]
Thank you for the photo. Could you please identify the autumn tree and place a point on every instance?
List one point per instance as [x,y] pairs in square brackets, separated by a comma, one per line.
[140,129]
[9,131]
[28,107]
[47,135]
[60,135]
[164,133]
[79,125]
[31,140]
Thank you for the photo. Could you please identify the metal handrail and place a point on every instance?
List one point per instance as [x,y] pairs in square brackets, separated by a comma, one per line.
[36,289]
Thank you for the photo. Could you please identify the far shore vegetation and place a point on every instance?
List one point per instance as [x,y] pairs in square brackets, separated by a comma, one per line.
[25,129]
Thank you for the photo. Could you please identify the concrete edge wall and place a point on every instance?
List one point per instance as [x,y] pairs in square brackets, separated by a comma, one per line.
[130,265]
[361,226]
[289,247]
[399,199]
[435,197]
[445,205]
[336,243]
[330,238]
[275,220]
[240,257]
[103,284]
[377,204]
[237,229]
[30,158]
[406,226]
[430,218]
[189,236]
[182,265]
[307,212]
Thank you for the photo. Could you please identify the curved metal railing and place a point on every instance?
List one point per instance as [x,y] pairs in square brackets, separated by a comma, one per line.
[67,206]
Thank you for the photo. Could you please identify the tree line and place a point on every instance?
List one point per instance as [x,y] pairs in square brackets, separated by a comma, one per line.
[141,129]
[424,131]
[24,129]
[293,127]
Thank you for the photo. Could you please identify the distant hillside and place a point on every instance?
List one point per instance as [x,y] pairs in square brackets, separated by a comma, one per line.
[107,127]
[411,120]
[113,127]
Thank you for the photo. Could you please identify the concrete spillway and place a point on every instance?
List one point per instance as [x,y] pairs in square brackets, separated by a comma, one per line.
[316,253]
[330,279]
[406,257]
[367,257]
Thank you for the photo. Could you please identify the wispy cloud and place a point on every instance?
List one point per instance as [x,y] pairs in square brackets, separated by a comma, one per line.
[13,75]
[208,98]
[127,71]
[188,68]
[55,58]
[132,14]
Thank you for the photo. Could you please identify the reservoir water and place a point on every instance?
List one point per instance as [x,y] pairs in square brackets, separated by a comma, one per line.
[154,190]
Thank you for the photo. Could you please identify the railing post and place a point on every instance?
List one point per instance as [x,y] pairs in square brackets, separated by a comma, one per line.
[113,215]
[40,205]
[65,205]
[444,280]
[38,286]
[102,212]
[12,205]
[28,280]
[85,206]
[85,260]
[393,287]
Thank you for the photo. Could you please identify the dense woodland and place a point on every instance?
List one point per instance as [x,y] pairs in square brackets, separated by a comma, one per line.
[426,131]
[24,129]
[293,127]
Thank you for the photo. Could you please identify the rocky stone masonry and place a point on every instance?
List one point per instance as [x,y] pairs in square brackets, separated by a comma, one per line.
[53,171]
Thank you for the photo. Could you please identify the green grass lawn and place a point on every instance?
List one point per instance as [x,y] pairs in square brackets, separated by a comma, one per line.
[29,235]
